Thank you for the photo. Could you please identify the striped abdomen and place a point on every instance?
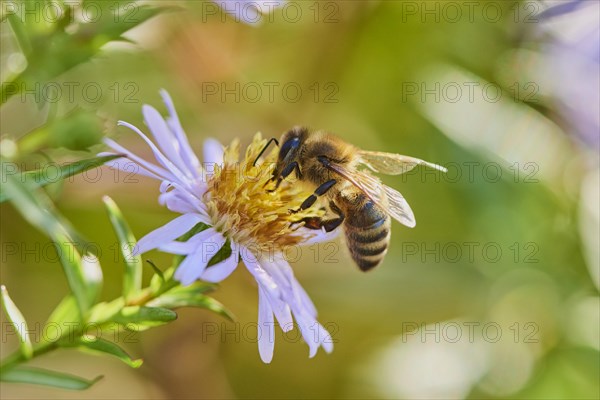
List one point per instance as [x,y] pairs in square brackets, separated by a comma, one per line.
[367,229]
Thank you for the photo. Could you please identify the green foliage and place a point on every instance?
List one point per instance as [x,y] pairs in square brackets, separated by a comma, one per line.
[18,321]
[223,254]
[76,277]
[144,317]
[132,279]
[138,308]
[191,296]
[53,46]
[66,310]
[99,345]
[38,376]
[35,206]
[40,177]
[78,130]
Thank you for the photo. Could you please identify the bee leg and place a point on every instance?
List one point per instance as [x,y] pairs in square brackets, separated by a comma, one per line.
[309,222]
[264,149]
[298,172]
[320,223]
[310,200]
[284,174]
[331,224]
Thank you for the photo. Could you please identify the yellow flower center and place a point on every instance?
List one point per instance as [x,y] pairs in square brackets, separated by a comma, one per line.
[241,207]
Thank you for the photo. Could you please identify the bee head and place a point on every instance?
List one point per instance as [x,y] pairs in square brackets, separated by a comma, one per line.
[290,143]
[287,160]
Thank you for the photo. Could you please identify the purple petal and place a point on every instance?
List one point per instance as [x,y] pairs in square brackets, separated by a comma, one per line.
[166,233]
[284,295]
[304,299]
[194,191]
[164,174]
[327,342]
[126,165]
[212,153]
[560,9]
[194,265]
[274,271]
[164,137]
[261,276]
[314,334]
[300,296]
[302,307]
[222,270]
[160,157]
[192,244]
[266,327]
[176,201]
[274,289]
[309,334]
[282,312]
[186,152]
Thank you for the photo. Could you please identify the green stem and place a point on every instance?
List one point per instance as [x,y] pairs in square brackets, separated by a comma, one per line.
[146,294]
[20,33]
[18,357]
[11,87]
[33,141]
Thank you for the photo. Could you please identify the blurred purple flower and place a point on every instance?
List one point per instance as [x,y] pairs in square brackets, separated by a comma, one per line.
[249,11]
[573,58]
[236,210]
[560,9]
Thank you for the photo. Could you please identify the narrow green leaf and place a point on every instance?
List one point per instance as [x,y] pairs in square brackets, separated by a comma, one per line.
[72,265]
[114,22]
[17,319]
[223,254]
[156,270]
[199,227]
[65,311]
[174,301]
[92,274]
[38,376]
[104,346]
[20,32]
[34,206]
[144,316]
[191,296]
[43,177]
[105,311]
[132,281]
[160,285]
[77,130]
[196,288]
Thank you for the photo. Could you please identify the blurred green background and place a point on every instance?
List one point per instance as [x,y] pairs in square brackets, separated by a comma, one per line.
[493,295]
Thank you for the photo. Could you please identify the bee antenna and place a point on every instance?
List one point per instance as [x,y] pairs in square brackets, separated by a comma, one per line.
[264,149]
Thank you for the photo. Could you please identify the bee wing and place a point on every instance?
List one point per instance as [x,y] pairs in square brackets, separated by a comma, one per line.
[384,196]
[393,164]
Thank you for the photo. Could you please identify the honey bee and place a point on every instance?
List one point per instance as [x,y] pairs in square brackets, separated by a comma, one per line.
[363,204]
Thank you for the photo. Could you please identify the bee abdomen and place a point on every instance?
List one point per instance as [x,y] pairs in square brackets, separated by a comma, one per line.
[368,236]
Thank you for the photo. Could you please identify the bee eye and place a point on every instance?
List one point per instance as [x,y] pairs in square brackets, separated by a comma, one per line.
[287,146]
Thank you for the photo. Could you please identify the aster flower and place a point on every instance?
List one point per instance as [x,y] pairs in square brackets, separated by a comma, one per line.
[571,51]
[223,202]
